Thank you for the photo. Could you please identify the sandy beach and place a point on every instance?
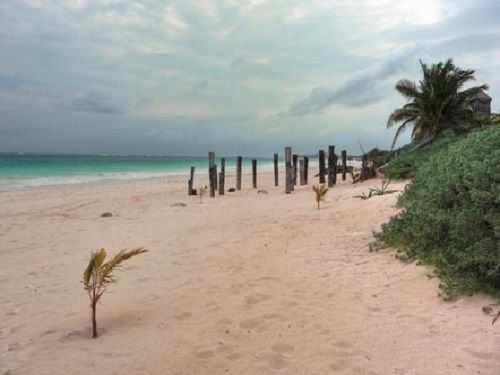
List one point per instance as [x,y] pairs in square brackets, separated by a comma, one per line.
[246,283]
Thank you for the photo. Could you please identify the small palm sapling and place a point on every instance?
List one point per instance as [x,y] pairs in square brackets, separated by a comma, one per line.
[98,275]
[320,191]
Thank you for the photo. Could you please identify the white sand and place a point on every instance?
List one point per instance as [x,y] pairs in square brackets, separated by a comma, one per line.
[243,284]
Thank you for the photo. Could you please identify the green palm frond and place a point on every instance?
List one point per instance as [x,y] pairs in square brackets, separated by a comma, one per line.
[437,103]
[114,263]
[377,191]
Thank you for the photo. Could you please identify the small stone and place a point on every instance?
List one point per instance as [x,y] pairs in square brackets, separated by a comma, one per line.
[231,190]
[178,204]
[106,214]
[261,192]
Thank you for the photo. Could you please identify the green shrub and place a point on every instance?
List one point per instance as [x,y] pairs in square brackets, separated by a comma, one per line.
[451,215]
[404,163]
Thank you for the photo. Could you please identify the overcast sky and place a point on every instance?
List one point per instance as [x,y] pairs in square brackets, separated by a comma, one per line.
[237,77]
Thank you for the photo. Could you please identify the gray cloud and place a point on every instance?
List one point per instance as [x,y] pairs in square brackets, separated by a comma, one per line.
[362,89]
[9,82]
[96,102]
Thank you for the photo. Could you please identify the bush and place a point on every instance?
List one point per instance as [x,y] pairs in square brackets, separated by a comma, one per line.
[451,215]
[404,163]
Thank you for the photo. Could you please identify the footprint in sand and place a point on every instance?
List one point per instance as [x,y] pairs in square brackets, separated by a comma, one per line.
[77,334]
[204,354]
[211,304]
[283,348]
[254,299]
[485,356]
[183,315]
[339,365]
[275,361]
[234,356]
[274,316]
[225,322]
[254,324]
[344,345]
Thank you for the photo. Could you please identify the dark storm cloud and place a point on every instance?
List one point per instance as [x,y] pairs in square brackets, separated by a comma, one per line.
[362,89]
[96,102]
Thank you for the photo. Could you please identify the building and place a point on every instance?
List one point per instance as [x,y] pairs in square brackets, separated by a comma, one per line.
[481,103]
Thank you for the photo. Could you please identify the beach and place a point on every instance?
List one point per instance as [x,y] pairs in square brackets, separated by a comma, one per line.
[246,283]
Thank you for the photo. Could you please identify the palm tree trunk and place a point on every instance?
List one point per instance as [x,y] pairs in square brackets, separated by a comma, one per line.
[425,143]
[318,205]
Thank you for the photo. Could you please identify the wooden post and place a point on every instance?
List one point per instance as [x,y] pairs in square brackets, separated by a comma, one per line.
[321,156]
[211,163]
[276,174]
[254,173]
[344,164]
[222,176]
[295,159]
[334,173]
[213,180]
[190,182]
[288,170]
[302,172]
[306,169]
[239,160]
[331,165]
[365,172]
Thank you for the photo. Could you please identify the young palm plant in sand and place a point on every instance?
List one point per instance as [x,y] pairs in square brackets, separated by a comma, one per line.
[320,191]
[98,275]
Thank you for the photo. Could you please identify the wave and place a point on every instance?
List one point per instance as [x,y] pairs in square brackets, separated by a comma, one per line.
[16,183]
[27,182]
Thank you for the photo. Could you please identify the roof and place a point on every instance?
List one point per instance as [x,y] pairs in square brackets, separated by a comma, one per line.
[481,96]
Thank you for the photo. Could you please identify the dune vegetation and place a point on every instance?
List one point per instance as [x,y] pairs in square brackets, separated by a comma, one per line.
[450,217]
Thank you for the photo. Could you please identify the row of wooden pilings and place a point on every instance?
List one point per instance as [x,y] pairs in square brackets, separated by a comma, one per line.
[292,165]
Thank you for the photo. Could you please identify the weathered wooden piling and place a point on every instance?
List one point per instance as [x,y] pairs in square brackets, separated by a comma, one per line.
[321,156]
[302,172]
[276,172]
[335,169]
[331,166]
[254,173]
[295,159]
[288,170]
[239,160]
[222,176]
[344,164]
[191,182]
[211,163]
[306,169]
[213,180]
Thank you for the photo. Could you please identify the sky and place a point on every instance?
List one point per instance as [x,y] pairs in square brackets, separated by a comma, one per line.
[242,77]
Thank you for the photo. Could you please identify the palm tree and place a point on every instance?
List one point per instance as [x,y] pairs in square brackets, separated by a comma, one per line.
[436,104]
[320,191]
[98,275]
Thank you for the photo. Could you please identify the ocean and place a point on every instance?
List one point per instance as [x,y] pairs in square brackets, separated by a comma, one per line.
[24,171]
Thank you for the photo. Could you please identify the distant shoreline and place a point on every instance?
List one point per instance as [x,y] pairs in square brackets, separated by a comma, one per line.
[19,172]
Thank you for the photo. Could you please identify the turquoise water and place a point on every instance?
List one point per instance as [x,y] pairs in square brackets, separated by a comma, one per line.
[28,171]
